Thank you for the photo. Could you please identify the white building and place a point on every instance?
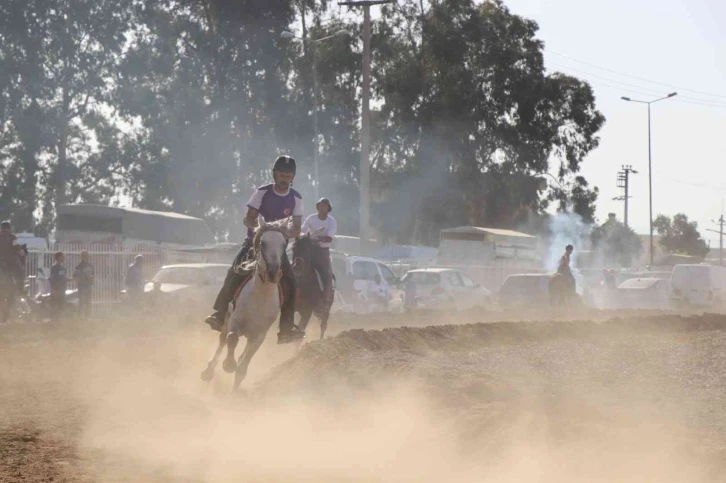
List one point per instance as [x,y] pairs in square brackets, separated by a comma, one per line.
[129,227]
[485,246]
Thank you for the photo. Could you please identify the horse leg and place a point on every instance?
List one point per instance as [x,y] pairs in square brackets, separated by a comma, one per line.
[208,373]
[230,364]
[305,315]
[324,324]
[253,344]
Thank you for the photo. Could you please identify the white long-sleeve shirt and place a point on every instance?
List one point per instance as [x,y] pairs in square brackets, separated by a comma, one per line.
[329,226]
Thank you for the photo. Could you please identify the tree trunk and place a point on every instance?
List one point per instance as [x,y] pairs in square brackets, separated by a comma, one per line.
[62,164]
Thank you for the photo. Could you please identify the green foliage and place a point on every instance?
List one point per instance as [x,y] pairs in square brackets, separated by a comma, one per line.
[58,60]
[680,236]
[469,105]
[183,104]
[616,243]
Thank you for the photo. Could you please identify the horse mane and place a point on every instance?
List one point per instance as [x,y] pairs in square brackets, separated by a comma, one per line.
[280,226]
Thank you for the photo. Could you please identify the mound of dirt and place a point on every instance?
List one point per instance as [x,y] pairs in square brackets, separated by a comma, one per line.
[355,358]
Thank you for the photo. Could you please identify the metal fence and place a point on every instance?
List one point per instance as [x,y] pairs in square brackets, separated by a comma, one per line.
[110,263]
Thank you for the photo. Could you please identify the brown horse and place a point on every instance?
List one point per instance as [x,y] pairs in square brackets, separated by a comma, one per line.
[562,291]
[311,296]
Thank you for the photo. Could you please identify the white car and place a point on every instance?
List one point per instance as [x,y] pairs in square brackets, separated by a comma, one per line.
[644,293]
[699,285]
[190,285]
[443,288]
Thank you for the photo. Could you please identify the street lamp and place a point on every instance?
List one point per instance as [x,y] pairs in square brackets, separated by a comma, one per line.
[315,42]
[650,172]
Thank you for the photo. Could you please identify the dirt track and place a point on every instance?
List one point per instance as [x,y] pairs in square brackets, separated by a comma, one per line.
[550,397]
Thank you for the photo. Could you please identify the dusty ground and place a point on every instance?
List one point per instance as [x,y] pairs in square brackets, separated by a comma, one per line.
[531,396]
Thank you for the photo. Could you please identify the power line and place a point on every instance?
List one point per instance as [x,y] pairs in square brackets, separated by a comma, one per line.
[684,100]
[632,76]
[609,79]
[690,183]
[689,99]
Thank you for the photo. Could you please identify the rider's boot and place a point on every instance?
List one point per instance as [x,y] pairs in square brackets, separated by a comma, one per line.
[289,332]
[221,305]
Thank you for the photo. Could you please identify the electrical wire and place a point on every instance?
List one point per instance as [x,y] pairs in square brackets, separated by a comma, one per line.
[632,76]
[642,90]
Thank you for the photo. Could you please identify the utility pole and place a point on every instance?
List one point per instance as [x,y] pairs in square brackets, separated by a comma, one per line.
[624,184]
[650,165]
[365,174]
[720,223]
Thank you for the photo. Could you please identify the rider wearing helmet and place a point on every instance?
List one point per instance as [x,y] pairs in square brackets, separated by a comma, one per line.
[323,228]
[10,255]
[274,202]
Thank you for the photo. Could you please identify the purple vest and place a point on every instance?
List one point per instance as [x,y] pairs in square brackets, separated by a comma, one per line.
[275,207]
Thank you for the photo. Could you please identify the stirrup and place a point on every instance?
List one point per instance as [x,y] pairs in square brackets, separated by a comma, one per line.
[214,322]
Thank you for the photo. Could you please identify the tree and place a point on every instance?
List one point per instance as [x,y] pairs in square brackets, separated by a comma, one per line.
[183,104]
[616,243]
[468,105]
[207,82]
[59,57]
[680,236]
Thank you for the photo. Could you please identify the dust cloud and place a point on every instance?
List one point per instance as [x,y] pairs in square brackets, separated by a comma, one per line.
[630,399]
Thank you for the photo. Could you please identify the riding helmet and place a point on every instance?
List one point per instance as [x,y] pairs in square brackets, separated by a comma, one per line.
[326,201]
[285,164]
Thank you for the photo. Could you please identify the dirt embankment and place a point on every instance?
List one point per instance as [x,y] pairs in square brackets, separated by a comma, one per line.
[355,352]
[596,396]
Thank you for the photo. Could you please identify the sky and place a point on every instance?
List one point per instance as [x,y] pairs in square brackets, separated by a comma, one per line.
[661,46]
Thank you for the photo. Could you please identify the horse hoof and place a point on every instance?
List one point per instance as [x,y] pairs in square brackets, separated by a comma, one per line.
[229,366]
[207,374]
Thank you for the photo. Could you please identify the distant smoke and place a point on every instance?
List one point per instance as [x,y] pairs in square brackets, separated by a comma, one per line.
[566,229]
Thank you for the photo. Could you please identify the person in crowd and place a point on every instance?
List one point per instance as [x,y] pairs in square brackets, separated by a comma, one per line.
[11,255]
[84,277]
[409,295]
[380,293]
[58,284]
[135,279]
[323,228]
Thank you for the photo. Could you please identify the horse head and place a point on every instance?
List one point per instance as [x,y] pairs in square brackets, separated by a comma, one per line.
[269,246]
[302,254]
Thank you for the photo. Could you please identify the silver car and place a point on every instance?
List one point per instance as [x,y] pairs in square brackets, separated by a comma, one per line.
[443,288]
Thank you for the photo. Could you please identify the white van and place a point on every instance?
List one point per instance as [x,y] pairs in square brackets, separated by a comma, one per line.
[699,285]
[354,275]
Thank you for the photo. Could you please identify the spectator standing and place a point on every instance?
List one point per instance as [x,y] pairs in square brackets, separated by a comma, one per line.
[380,293]
[58,284]
[409,298]
[84,276]
[135,279]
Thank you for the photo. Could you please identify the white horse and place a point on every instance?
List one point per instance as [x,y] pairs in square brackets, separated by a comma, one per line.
[257,305]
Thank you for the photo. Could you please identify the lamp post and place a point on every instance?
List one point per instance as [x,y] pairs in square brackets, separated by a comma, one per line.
[650,171]
[315,42]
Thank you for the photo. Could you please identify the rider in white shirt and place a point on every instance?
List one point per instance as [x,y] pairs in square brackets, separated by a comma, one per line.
[323,228]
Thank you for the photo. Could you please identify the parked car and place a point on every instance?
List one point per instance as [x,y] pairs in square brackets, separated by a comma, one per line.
[699,285]
[189,286]
[644,293]
[356,276]
[525,290]
[443,288]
